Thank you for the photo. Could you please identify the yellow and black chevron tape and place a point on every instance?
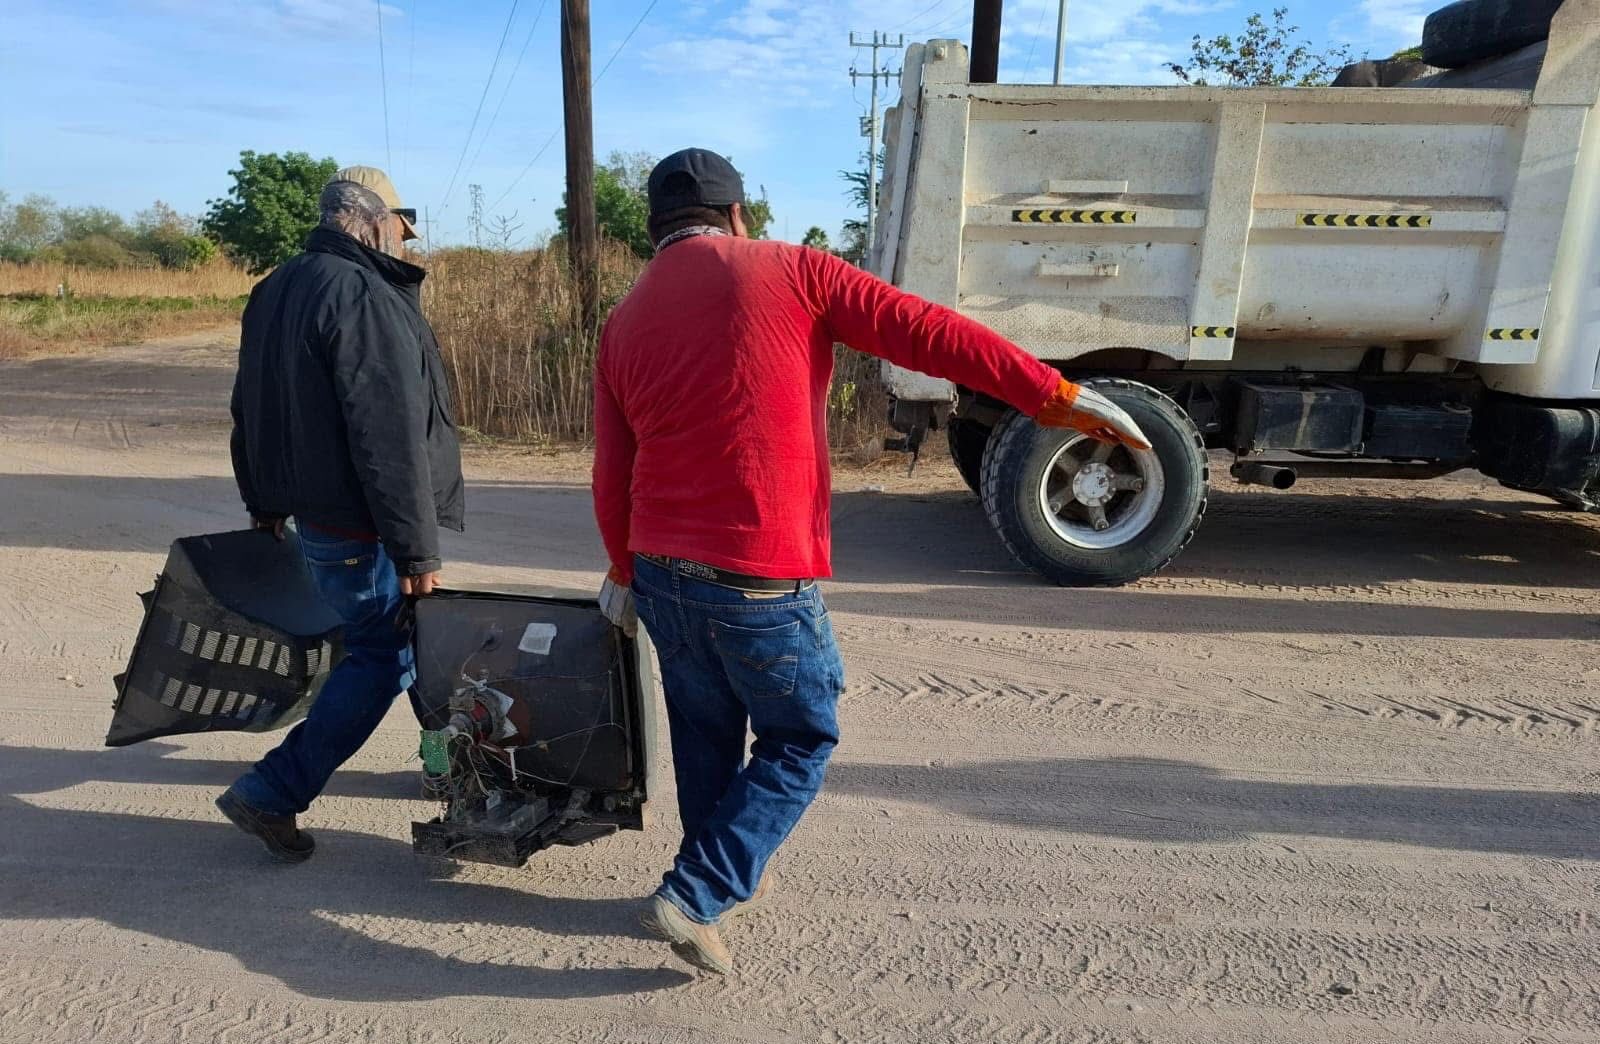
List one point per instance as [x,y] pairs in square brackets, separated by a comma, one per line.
[1513,333]
[1211,331]
[1366,220]
[1075,217]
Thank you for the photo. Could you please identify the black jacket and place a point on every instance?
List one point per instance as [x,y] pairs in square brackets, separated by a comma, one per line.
[341,414]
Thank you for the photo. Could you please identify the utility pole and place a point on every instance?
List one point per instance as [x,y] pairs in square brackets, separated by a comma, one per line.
[583,248]
[879,42]
[985,41]
[1061,42]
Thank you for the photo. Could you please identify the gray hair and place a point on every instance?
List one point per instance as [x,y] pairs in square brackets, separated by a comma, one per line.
[345,204]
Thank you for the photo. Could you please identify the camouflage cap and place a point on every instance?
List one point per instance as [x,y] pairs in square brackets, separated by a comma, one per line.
[378,183]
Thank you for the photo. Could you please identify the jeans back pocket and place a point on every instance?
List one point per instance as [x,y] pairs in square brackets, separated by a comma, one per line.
[760,662]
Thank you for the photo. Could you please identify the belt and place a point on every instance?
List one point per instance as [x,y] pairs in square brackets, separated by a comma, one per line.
[728,578]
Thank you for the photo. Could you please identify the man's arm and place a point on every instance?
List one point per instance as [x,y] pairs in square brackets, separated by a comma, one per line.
[239,446]
[376,362]
[614,449]
[871,316]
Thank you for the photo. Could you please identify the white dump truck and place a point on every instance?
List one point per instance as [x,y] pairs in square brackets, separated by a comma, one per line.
[1335,281]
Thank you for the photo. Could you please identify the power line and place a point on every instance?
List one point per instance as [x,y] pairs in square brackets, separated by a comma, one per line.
[411,90]
[938,18]
[918,16]
[598,77]
[495,65]
[383,78]
[962,19]
[1033,45]
[648,8]
[495,117]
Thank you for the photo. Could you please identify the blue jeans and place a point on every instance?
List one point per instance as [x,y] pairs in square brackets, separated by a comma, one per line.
[358,582]
[728,659]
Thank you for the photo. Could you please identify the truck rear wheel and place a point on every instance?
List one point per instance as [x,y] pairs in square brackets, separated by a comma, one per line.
[1083,513]
[968,440]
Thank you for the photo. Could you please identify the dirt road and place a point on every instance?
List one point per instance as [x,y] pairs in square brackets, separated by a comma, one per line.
[1332,778]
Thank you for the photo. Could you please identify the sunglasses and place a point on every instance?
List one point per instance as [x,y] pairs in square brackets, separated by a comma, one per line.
[409,213]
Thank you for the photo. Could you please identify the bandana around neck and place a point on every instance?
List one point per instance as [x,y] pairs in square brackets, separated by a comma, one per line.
[689,233]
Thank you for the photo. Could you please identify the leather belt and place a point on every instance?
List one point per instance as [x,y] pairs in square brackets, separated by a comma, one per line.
[727,578]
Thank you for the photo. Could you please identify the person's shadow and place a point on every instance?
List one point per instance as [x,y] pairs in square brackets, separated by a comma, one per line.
[360,921]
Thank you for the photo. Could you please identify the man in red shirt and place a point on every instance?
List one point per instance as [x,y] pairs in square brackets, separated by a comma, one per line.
[711,489]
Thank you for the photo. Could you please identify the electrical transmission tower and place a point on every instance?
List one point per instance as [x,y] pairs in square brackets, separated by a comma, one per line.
[869,126]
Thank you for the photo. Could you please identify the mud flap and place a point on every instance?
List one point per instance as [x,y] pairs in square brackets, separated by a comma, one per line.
[234,638]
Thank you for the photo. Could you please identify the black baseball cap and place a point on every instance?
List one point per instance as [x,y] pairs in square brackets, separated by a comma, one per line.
[694,178]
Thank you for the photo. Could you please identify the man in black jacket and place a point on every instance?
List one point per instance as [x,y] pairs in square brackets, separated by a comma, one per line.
[342,421]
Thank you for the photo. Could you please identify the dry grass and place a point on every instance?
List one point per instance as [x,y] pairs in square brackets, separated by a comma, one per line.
[523,369]
[520,362]
[30,324]
[220,280]
[46,307]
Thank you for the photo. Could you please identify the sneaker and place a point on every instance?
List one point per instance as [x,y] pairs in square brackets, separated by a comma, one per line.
[764,889]
[699,944]
[286,842]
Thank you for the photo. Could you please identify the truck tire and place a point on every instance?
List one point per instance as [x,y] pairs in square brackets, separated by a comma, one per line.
[968,440]
[1472,30]
[1085,514]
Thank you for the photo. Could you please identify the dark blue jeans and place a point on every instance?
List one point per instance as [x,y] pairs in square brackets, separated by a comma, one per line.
[358,582]
[728,659]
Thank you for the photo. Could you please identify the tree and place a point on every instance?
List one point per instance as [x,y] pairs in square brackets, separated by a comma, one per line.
[622,203]
[621,207]
[96,251]
[28,227]
[815,237]
[171,238]
[758,215]
[853,235]
[1261,56]
[271,208]
[92,222]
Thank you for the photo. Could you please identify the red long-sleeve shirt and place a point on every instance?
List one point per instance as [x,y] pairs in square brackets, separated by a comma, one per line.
[711,398]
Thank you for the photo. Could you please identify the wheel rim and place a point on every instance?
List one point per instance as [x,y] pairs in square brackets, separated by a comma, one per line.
[1099,496]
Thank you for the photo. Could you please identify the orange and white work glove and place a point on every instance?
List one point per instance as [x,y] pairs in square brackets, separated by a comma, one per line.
[1086,410]
[616,603]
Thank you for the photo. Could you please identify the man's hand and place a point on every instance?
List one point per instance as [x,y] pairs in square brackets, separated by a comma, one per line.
[616,602]
[419,586]
[1086,410]
[270,525]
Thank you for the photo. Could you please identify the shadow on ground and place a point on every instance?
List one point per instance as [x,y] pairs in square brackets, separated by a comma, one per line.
[1160,801]
[318,927]
[942,549]
[40,770]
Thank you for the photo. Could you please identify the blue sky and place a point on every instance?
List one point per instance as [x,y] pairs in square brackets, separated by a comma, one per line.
[123,103]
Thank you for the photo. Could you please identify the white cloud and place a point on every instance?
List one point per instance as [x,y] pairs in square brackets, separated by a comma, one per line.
[795,53]
[1400,19]
[1132,61]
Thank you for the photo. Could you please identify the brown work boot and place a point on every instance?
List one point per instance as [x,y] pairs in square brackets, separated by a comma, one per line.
[286,842]
[699,944]
[764,889]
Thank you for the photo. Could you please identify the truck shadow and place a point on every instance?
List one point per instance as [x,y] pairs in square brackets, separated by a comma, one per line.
[1268,562]
[1250,537]
[361,921]
[1161,801]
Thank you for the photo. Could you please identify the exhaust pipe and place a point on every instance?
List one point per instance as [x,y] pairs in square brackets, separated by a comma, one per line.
[1274,475]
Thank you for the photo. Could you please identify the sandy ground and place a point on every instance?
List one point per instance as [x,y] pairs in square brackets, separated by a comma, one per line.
[1333,777]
